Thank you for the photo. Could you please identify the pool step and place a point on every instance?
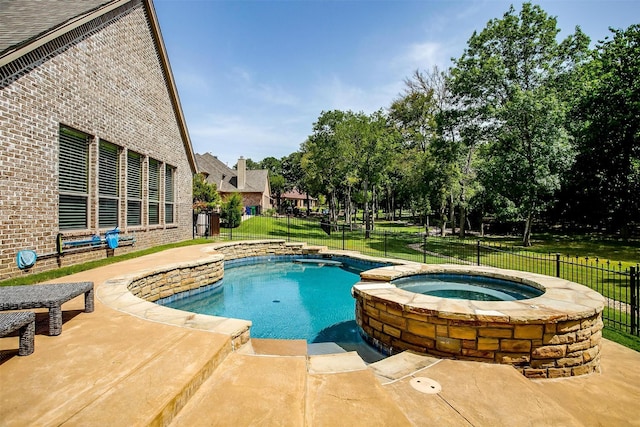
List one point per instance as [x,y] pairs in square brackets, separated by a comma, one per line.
[275,347]
[249,389]
[154,392]
[254,389]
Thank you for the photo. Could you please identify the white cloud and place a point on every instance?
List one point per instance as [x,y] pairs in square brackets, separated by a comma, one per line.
[335,94]
[231,136]
[272,94]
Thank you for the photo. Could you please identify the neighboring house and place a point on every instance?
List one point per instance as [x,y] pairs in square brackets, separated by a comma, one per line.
[252,185]
[296,199]
[91,130]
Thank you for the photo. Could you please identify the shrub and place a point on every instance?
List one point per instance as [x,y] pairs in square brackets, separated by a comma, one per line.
[231,211]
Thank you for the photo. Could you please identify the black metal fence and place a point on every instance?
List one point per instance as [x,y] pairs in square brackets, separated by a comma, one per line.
[618,283]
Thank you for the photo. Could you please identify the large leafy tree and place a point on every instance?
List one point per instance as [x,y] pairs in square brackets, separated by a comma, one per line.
[325,159]
[607,171]
[414,117]
[368,141]
[510,77]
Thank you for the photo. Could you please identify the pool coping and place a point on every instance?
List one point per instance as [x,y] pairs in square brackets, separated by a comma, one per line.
[562,299]
[555,325]
[116,292]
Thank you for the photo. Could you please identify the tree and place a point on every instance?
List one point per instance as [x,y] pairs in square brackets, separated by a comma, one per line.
[276,180]
[231,211]
[367,140]
[510,77]
[205,195]
[607,171]
[324,159]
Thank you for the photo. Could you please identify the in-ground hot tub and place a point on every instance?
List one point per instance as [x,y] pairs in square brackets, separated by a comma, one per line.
[555,334]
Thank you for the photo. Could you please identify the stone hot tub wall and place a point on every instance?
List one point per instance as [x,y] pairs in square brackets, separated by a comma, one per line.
[555,335]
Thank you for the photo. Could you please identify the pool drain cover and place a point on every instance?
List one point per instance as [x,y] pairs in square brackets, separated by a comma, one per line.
[425,385]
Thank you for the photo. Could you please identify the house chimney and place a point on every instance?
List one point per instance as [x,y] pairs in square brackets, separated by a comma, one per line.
[242,173]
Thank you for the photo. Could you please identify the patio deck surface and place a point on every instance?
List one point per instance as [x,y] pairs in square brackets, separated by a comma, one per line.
[111,368]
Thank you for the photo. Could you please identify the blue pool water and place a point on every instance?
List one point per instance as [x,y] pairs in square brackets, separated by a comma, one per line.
[285,300]
[463,286]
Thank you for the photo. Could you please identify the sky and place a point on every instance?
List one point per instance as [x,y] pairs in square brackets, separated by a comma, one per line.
[253,76]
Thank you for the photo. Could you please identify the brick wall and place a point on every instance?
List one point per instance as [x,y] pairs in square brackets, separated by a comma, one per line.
[104,79]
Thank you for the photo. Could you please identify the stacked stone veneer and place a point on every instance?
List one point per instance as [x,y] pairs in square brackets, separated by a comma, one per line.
[546,337]
[173,279]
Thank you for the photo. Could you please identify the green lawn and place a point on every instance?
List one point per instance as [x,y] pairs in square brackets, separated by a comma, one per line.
[395,240]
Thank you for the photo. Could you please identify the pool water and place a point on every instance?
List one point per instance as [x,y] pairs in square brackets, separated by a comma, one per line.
[284,300]
[461,286]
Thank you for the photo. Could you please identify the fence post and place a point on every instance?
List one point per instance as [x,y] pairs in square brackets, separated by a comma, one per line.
[424,248]
[343,227]
[557,265]
[288,232]
[478,252]
[633,284]
[385,244]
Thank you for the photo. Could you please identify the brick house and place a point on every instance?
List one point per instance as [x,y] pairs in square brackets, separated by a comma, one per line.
[298,200]
[252,185]
[91,129]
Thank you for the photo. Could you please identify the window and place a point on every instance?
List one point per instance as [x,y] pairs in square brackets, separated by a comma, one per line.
[134,188]
[109,199]
[154,191]
[169,198]
[73,179]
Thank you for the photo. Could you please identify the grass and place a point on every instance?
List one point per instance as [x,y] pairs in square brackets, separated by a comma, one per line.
[627,340]
[395,240]
[65,271]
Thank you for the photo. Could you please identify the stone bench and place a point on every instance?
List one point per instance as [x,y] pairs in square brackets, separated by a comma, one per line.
[50,296]
[25,321]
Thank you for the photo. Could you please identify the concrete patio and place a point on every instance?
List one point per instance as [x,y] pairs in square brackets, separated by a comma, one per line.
[112,368]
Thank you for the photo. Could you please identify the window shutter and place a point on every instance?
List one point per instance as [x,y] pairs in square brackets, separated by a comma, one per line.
[72,212]
[134,175]
[108,185]
[108,180]
[134,188]
[73,179]
[74,158]
[154,179]
[169,176]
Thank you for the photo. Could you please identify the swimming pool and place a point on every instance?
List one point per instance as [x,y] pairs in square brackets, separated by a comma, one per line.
[466,286]
[287,298]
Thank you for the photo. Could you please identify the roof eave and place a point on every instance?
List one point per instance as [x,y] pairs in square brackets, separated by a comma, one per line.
[173,92]
[55,32]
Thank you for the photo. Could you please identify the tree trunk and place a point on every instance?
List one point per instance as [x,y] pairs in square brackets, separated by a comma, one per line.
[347,208]
[452,215]
[463,222]
[526,238]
